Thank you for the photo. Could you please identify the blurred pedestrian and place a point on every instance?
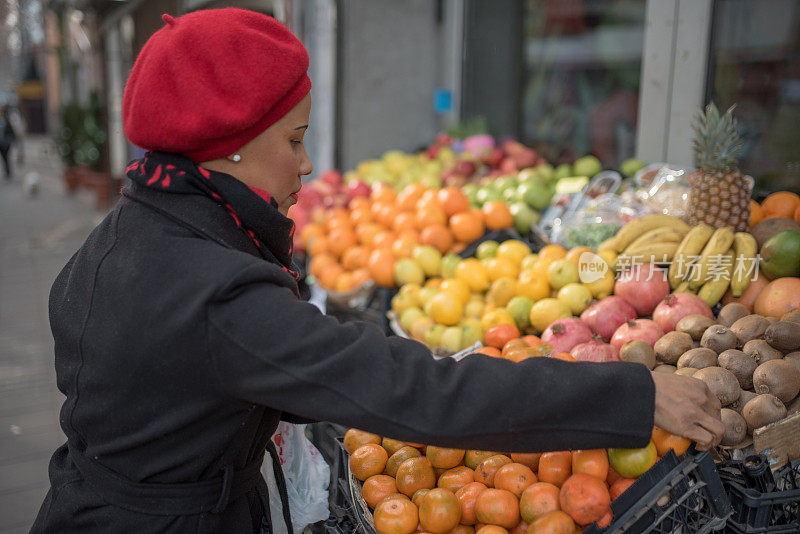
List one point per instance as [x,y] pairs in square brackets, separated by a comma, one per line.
[7,138]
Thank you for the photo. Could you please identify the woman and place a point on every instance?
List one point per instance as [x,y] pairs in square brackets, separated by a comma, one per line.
[180,341]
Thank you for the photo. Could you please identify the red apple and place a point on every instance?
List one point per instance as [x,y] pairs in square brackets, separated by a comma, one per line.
[508,166]
[357,188]
[465,168]
[524,158]
[494,157]
[332,177]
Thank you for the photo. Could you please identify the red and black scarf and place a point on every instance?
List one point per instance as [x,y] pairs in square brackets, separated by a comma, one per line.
[253,210]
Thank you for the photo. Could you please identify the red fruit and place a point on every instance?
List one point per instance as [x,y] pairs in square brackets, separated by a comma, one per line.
[643,287]
[332,177]
[357,188]
[675,307]
[566,333]
[608,314]
[595,351]
[644,329]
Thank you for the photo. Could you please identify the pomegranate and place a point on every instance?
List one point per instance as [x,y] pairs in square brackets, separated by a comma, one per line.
[564,334]
[644,329]
[608,314]
[595,351]
[642,287]
[675,307]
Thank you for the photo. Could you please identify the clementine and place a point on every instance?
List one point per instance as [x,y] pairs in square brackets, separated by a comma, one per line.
[396,516]
[497,507]
[414,474]
[466,496]
[555,522]
[368,460]
[585,498]
[514,477]
[555,467]
[592,462]
[400,456]
[439,511]
[443,458]
[486,470]
[377,487]
[497,215]
[456,478]
[467,226]
[355,438]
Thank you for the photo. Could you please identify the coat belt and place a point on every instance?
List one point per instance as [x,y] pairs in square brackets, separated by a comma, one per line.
[188,498]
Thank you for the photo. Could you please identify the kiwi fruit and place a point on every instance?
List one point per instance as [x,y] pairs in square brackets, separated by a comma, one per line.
[793,357]
[745,396]
[783,335]
[740,364]
[664,368]
[730,313]
[793,407]
[735,427]
[750,327]
[763,410]
[671,345]
[721,382]
[771,320]
[792,316]
[719,339]
[686,371]
[761,351]
[777,377]
[694,325]
[695,344]
[698,358]
[767,228]
[638,351]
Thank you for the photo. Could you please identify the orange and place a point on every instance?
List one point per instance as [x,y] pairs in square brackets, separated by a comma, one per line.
[340,239]
[780,204]
[467,226]
[382,192]
[489,351]
[404,245]
[501,268]
[488,468]
[430,216]
[366,233]
[631,463]
[497,336]
[585,498]
[311,231]
[565,356]
[797,214]
[613,476]
[318,246]
[538,499]
[555,522]
[377,487]
[360,215]
[403,221]
[381,267]
[619,487]
[359,203]
[453,200]
[497,215]
[386,214]
[535,287]
[429,199]
[456,478]
[497,507]
[355,257]
[316,263]
[414,474]
[532,341]
[515,343]
[574,254]
[396,516]
[466,496]
[360,277]
[443,458]
[344,282]
[458,247]
[408,197]
[392,445]
[552,252]
[329,275]
[439,511]
[665,441]
[463,529]
[401,455]
[592,462]
[490,529]
[368,460]
[384,239]
[756,213]
[355,438]
[473,458]
[418,496]
[531,459]
[555,467]
[437,236]
[514,477]
[778,297]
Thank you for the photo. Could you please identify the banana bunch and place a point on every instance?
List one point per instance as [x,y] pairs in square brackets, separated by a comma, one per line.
[708,261]
[648,239]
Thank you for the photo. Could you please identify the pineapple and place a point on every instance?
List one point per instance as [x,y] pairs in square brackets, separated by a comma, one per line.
[720,194]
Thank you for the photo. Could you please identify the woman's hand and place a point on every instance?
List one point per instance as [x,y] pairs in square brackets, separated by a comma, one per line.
[686,407]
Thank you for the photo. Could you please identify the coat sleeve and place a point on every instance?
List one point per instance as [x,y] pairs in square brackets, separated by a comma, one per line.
[269,348]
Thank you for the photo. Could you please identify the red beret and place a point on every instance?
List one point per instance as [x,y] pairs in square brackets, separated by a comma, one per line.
[210,81]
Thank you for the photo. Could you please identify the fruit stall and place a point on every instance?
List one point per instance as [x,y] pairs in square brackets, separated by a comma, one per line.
[479,246]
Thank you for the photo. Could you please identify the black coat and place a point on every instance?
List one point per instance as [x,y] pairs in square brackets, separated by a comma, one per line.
[179,349]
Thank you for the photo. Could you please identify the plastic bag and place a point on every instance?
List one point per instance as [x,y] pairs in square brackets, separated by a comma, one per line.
[595,222]
[667,192]
[307,478]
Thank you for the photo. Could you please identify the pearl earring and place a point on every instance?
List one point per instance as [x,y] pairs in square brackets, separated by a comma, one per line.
[236,158]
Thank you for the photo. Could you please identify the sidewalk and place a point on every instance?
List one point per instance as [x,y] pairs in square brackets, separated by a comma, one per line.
[37,236]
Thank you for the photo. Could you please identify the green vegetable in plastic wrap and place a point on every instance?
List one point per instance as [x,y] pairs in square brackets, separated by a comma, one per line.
[590,235]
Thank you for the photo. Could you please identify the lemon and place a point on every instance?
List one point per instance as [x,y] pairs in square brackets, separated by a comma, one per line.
[501,291]
[487,250]
[603,287]
[456,287]
[473,273]
[562,272]
[520,310]
[528,262]
[402,302]
[474,307]
[446,309]
[409,317]
[532,285]
[546,311]
[576,296]
[502,267]
[495,317]
[514,250]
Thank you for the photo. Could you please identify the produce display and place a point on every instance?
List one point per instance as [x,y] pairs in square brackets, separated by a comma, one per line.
[412,487]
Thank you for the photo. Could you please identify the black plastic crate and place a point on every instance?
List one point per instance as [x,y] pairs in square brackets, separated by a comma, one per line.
[357,511]
[675,495]
[762,502]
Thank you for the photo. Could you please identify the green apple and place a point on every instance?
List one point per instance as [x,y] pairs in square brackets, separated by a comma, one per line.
[520,310]
[409,317]
[535,194]
[631,166]
[449,263]
[433,337]
[471,191]
[487,194]
[545,171]
[562,171]
[507,182]
[509,195]
[561,273]
[451,338]
[429,258]
[487,249]
[524,217]
[587,166]
[471,333]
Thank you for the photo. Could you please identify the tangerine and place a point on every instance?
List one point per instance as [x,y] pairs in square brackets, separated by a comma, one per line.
[592,462]
[538,499]
[497,215]
[619,487]
[414,474]
[473,458]
[487,469]
[408,197]
[439,511]
[392,445]
[552,252]
[355,438]
[418,496]
[555,522]
[381,267]
[401,455]
[497,507]
[396,516]
[665,441]
[756,213]
[585,498]
[377,487]
[531,459]
[466,226]
[466,496]
[443,458]
[497,336]
[555,467]
[489,351]
[780,204]
[452,200]
[429,216]
[368,460]
[403,221]
[355,257]
[456,478]
[514,477]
